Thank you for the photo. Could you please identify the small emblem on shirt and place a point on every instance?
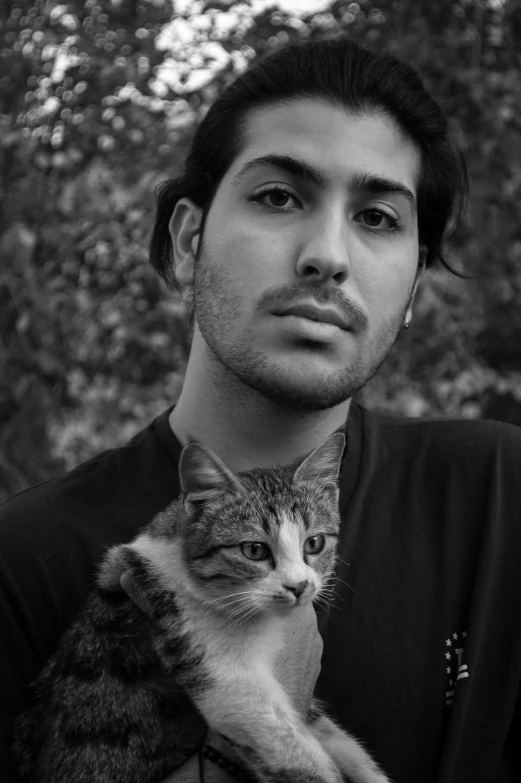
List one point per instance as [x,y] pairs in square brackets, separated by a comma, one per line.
[456,670]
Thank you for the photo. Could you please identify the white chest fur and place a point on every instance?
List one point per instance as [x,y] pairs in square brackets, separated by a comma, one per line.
[229,649]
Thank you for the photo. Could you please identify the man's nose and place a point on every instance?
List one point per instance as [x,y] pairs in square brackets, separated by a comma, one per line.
[325,255]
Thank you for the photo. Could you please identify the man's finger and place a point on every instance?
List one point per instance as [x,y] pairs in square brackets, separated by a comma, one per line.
[127,583]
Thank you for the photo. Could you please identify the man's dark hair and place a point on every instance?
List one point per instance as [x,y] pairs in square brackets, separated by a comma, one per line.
[346,75]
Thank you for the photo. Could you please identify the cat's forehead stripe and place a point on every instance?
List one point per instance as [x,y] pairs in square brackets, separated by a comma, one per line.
[289,537]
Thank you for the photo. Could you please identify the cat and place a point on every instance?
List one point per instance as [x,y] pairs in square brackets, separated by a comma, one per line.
[217,573]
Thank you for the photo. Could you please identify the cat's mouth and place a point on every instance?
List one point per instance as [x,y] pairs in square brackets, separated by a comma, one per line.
[289,599]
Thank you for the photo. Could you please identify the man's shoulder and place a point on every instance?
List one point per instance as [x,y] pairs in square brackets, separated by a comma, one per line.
[139,475]
[467,441]
[457,429]
[87,478]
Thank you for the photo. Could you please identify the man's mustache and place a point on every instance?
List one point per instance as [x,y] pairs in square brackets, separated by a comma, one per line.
[290,293]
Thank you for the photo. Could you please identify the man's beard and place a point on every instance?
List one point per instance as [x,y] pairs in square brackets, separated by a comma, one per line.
[217,308]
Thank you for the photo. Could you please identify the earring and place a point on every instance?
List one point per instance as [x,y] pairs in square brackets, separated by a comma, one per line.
[407,322]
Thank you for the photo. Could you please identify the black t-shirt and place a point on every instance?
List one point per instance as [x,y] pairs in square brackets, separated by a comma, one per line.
[422,647]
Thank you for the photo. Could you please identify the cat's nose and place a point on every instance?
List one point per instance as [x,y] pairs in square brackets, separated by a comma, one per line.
[297,589]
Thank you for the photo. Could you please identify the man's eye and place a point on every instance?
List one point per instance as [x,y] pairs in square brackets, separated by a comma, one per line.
[274,197]
[375,218]
[279,198]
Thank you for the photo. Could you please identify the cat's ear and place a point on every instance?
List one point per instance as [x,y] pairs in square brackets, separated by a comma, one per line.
[203,476]
[322,466]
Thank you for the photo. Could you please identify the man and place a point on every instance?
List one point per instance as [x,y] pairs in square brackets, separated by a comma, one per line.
[318,188]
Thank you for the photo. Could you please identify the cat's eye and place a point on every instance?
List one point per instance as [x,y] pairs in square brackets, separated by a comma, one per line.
[314,544]
[255,550]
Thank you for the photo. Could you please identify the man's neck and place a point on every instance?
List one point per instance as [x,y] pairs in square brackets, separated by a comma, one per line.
[244,428]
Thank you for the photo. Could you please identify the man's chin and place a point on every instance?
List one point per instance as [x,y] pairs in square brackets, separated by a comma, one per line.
[305,397]
[306,386]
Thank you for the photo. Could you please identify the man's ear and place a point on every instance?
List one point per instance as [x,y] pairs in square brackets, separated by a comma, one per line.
[184,228]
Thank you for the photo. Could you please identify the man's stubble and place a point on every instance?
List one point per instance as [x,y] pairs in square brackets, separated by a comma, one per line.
[217,308]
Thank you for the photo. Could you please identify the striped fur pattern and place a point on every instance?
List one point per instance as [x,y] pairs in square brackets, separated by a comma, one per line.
[217,573]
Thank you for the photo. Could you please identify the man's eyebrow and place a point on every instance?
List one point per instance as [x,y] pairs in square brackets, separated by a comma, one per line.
[361,181]
[376,185]
[286,162]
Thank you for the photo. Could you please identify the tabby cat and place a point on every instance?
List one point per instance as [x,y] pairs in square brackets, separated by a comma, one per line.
[217,572]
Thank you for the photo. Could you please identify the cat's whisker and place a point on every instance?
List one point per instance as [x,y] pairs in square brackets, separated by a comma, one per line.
[320,600]
[238,605]
[326,589]
[242,611]
[253,614]
[246,617]
[325,608]
[254,607]
[238,612]
[243,604]
[239,618]
[328,596]
[238,600]
[243,595]
[327,605]
[332,595]
[328,585]
[326,580]
[337,578]
[232,595]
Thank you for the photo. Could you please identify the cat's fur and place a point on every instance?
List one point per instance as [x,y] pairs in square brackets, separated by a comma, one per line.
[114,702]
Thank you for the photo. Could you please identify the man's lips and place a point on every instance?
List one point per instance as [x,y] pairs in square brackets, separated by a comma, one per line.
[326,315]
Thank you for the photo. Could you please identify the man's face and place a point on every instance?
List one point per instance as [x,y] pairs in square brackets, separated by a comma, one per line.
[310,256]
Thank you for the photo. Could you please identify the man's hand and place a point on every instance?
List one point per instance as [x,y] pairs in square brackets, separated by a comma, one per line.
[297,670]
[298,666]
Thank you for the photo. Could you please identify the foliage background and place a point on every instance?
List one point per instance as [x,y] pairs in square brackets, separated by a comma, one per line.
[98,101]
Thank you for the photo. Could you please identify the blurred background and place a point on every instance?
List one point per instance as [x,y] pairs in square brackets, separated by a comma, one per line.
[98,103]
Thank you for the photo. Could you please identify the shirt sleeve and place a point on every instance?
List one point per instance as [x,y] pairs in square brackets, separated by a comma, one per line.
[17,660]
[44,577]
